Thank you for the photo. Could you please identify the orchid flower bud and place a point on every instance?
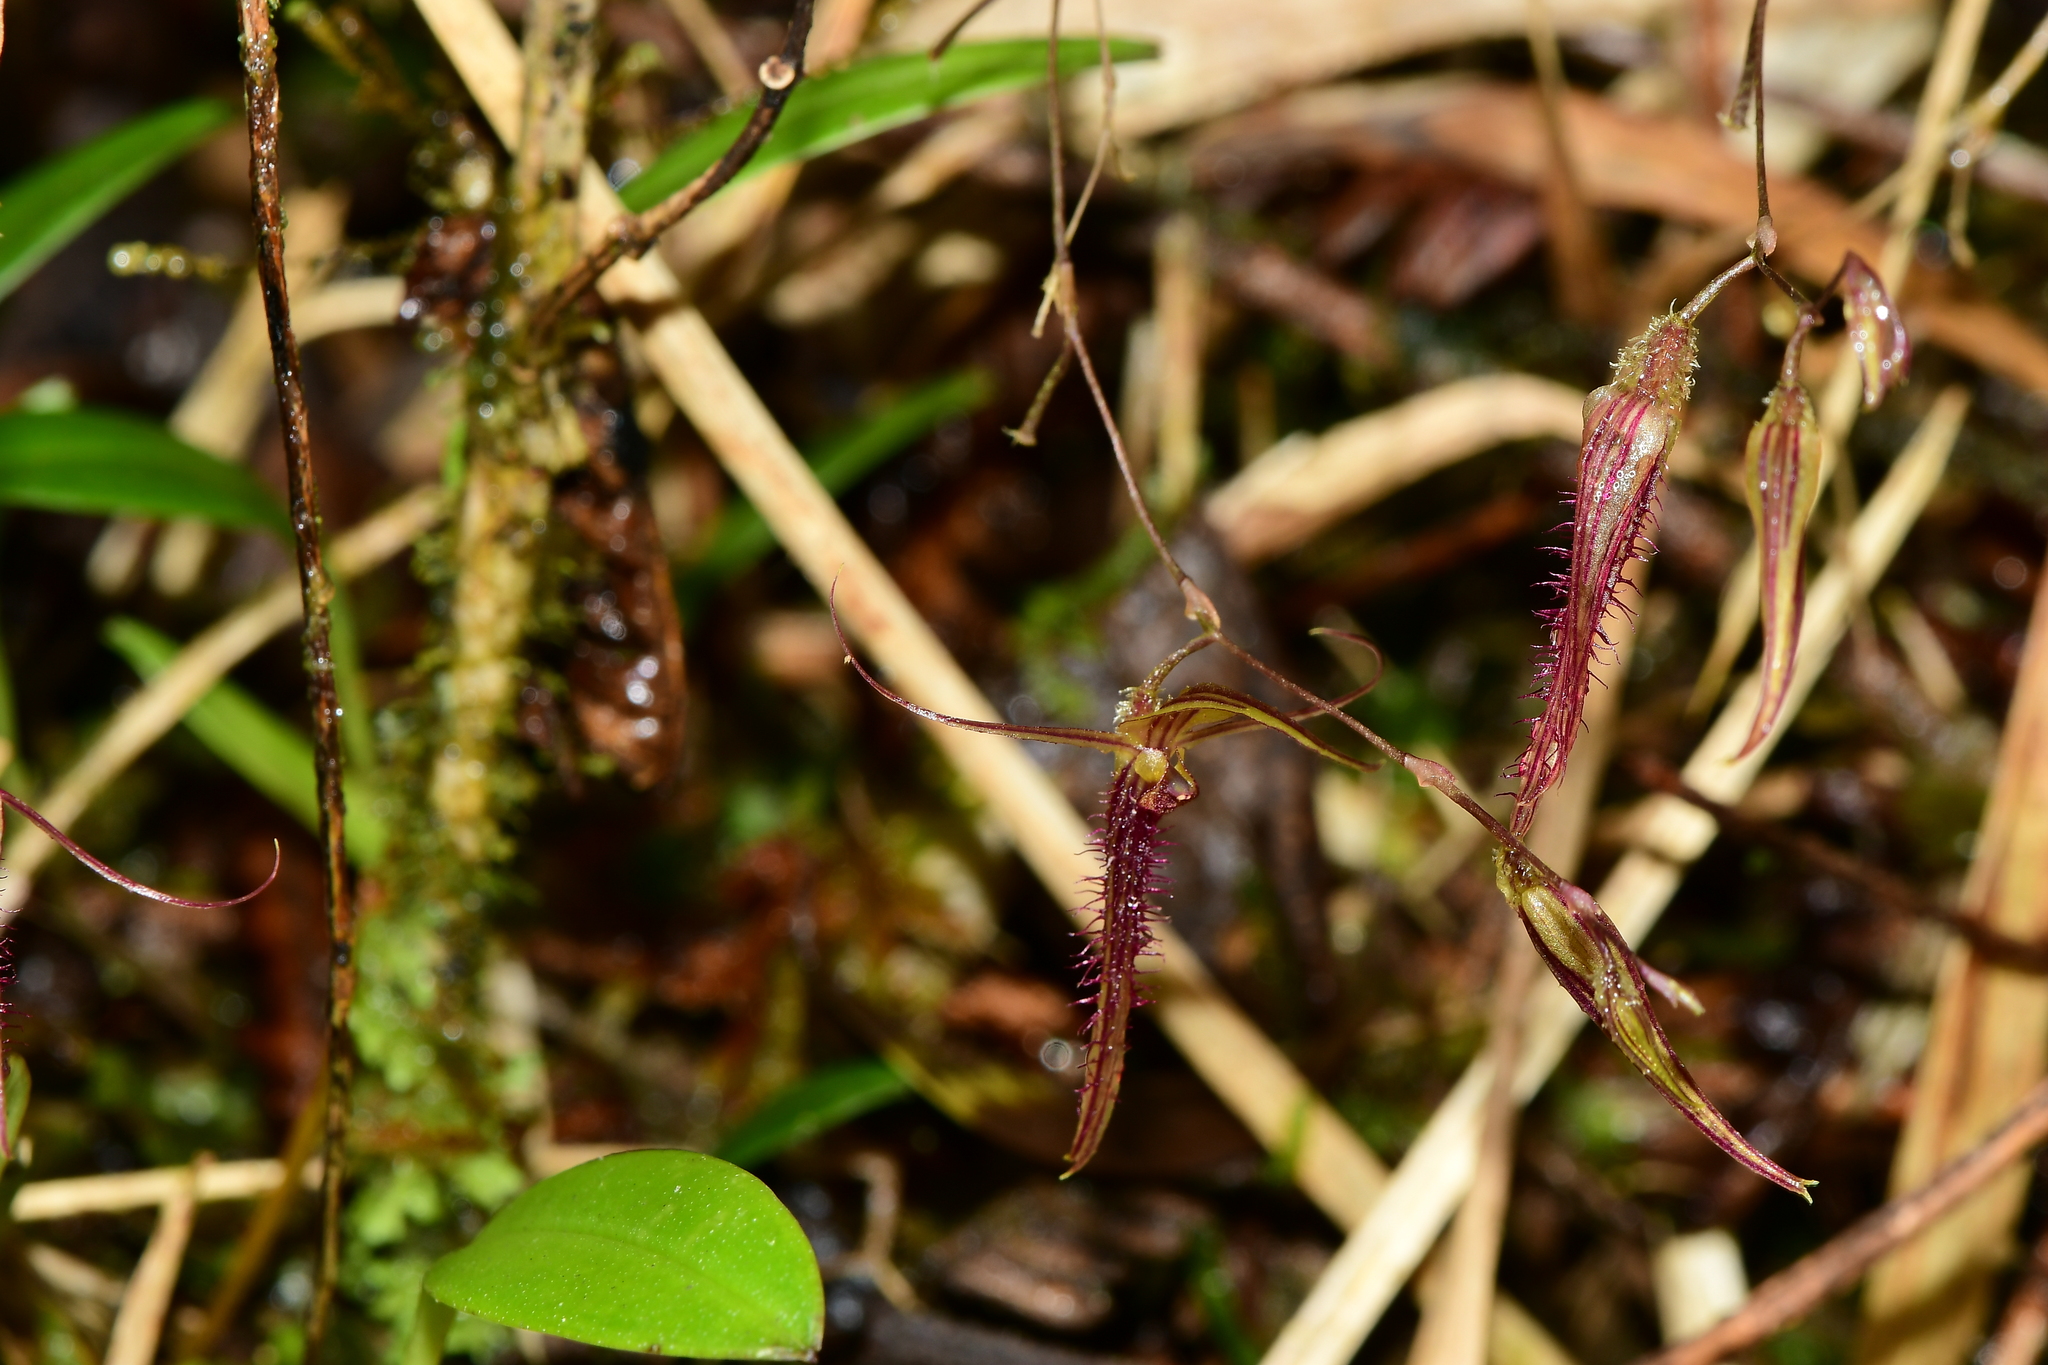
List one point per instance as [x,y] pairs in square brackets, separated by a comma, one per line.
[1630,426]
[1781,474]
[1596,967]
[1876,333]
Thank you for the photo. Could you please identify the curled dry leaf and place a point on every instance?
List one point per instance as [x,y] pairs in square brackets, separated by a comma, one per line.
[1781,474]
[1593,962]
[1876,333]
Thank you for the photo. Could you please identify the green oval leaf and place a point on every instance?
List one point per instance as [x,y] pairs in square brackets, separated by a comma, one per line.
[843,107]
[819,1102]
[99,461]
[53,201]
[671,1253]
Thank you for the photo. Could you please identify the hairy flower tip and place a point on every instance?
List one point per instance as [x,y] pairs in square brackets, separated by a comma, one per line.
[1131,858]
[1630,426]
[1876,333]
[1781,474]
[1595,965]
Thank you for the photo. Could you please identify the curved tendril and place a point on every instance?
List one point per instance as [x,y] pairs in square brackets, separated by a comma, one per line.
[126,883]
[1046,734]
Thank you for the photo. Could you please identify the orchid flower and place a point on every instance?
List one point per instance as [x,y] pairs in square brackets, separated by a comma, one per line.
[1151,736]
[8,800]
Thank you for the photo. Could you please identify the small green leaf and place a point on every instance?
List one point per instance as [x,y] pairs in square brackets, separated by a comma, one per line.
[669,1253]
[820,1101]
[841,108]
[53,201]
[101,462]
[271,756]
[840,461]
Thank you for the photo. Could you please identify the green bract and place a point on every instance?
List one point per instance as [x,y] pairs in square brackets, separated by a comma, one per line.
[840,108]
[670,1253]
[47,205]
[101,462]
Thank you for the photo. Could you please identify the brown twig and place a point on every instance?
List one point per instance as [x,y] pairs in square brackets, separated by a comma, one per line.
[1796,1291]
[2023,1329]
[634,234]
[2001,949]
[259,67]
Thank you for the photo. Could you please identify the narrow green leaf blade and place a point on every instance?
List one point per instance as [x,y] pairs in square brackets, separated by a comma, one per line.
[843,460]
[820,1101]
[268,753]
[16,1107]
[46,206]
[670,1253]
[98,461]
[843,107]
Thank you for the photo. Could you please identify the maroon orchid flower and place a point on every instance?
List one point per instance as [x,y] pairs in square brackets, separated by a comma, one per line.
[1152,735]
[9,801]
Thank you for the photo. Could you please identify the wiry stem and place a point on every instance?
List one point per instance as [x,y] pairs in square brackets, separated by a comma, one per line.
[259,67]
[635,234]
[1200,608]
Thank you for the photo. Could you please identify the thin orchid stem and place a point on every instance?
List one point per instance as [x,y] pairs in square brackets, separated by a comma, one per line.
[259,66]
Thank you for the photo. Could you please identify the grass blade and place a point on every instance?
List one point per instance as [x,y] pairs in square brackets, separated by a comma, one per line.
[100,462]
[46,206]
[819,1102]
[844,107]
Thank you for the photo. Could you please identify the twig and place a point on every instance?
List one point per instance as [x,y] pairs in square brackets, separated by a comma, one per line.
[633,234]
[43,1200]
[1797,1290]
[163,701]
[1382,1252]
[259,67]
[2001,949]
[139,1323]
[2023,1328]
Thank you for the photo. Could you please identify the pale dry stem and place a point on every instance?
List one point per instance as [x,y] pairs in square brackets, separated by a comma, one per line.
[139,1323]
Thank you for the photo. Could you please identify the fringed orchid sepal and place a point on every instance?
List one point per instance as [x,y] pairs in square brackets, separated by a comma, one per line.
[1630,426]
[9,801]
[1597,968]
